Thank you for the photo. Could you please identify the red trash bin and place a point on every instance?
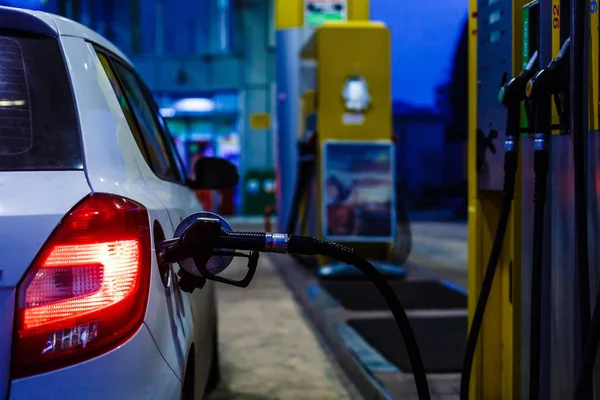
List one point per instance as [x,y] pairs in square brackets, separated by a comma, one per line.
[206,198]
[227,206]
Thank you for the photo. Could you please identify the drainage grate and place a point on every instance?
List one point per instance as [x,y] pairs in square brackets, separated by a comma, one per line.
[442,341]
[414,295]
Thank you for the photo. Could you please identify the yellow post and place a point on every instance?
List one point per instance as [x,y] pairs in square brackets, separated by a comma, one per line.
[289,14]
[556,44]
[594,71]
[496,368]
[358,10]
[474,276]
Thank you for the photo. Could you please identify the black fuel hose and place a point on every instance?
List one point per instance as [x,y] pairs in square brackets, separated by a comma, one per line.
[510,172]
[579,122]
[579,62]
[590,351]
[540,165]
[311,246]
[548,82]
[307,150]
[305,175]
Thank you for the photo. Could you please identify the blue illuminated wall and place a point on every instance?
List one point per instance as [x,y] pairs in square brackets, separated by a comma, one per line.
[424,38]
[429,119]
[31,4]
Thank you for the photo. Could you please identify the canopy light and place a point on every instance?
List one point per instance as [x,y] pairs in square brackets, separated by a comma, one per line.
[194,105]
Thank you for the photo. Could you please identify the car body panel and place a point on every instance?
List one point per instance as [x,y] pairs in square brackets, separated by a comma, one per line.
[31,205]
[7,309]
[109,376]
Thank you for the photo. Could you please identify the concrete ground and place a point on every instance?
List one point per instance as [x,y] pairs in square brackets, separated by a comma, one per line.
[441,247]
[268,349]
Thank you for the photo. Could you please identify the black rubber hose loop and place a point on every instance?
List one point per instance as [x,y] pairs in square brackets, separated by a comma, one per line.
[540,165]
[311,246]
[511,159]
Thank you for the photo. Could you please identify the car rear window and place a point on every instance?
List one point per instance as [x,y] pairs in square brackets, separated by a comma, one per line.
[38,123]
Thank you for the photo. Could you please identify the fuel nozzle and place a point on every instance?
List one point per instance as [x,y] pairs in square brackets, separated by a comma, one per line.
[513,92]
[205,245]
[551,81]
[511,95]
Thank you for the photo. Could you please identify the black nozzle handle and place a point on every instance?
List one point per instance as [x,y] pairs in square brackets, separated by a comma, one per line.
[199,236]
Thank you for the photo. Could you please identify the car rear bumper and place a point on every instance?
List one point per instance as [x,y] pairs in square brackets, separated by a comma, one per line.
[135,370]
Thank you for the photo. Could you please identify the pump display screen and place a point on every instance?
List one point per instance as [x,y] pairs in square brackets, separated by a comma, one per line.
[317,12]
[358,191]
[531,28]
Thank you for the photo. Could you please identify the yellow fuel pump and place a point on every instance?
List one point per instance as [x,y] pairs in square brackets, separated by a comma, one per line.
[353,122]
[502,365]
[495,48]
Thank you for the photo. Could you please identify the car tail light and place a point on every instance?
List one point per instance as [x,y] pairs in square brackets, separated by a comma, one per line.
[87,290]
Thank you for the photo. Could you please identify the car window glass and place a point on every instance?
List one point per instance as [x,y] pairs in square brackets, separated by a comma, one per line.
[140,119]
[125,107]
[147,122]
[169,141]
[38,120]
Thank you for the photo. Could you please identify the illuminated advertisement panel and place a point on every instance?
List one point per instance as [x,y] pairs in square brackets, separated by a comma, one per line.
[358,191]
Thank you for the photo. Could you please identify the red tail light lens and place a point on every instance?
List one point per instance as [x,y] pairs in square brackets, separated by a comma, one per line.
[87,289]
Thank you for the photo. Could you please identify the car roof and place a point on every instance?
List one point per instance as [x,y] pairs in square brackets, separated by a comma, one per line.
[53,25]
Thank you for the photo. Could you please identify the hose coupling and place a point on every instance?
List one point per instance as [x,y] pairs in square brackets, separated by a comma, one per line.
[540,142]
[276,243]
[510,144]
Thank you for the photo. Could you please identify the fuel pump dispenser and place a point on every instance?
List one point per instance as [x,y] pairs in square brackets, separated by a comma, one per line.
[348,123]
[537,28]
[511,96]
[557,326]
[565,80]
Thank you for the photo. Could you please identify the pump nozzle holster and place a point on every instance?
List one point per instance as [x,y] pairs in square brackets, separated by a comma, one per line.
[511,95]
[554,80]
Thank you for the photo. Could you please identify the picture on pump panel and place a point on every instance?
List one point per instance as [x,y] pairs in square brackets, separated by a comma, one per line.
[358,182]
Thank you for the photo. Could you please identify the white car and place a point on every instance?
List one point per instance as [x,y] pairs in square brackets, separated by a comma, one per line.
[90,184]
